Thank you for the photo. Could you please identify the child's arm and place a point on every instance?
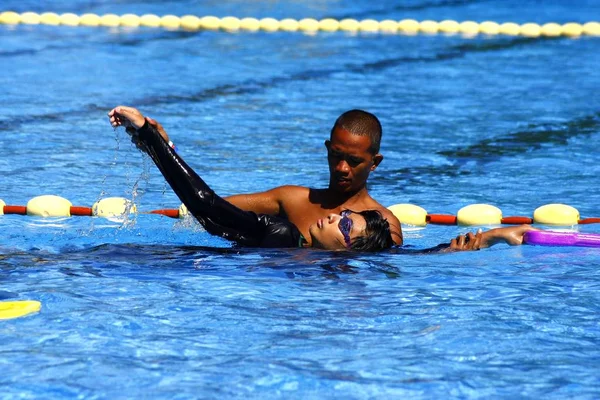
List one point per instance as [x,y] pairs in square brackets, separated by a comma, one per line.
[512,235]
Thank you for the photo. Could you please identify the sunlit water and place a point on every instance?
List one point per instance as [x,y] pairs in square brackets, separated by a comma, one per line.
[153,307]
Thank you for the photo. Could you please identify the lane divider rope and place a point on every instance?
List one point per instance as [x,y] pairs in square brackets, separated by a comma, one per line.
[234,24]
[487,214]
[408,214]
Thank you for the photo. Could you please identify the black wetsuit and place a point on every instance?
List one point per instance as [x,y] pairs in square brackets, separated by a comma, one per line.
[218,216]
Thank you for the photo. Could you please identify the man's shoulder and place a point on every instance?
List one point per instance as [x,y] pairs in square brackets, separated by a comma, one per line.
[387,213]
[291,189]
[291,193]
[375,205]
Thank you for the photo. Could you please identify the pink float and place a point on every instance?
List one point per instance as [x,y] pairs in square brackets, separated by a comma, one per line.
[550,238]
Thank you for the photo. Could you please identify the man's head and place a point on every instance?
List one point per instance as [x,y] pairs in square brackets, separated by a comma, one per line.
[361,123]
[353,150]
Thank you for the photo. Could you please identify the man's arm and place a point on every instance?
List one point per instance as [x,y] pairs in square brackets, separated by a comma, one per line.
[268,202]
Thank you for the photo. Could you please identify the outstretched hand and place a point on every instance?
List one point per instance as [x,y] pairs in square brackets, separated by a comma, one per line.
[510,235]
[127,117]
[131,119]
[469,242]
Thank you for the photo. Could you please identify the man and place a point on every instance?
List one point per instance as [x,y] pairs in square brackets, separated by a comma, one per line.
[352,153]
[356,231]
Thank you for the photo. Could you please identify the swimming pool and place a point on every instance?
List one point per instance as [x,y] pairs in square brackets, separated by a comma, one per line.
[155,307]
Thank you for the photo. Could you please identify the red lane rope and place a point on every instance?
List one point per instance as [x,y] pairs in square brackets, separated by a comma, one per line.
[15,210]
[169,212]
[441,219]
[84,211]
[516,220]
[589,221]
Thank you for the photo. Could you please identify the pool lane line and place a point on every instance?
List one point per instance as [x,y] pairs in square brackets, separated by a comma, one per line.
[487,214]
[307,25]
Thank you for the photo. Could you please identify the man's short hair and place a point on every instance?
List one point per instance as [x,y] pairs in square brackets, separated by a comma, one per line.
[362,123]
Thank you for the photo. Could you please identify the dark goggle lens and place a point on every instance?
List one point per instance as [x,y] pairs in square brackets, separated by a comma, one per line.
[345,226]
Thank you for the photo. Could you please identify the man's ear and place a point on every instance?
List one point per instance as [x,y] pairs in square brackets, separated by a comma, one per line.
[377,159]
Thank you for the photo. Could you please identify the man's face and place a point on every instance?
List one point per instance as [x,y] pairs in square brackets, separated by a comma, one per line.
[350,161]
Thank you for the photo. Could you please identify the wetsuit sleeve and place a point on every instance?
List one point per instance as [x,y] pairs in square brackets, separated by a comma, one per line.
[218,216]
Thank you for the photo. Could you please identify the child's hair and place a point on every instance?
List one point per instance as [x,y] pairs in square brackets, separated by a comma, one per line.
[377,234]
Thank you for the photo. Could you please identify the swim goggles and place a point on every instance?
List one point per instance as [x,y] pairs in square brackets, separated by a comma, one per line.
[345,226]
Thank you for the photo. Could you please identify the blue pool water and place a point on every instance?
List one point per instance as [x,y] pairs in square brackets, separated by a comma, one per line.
[153,307]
